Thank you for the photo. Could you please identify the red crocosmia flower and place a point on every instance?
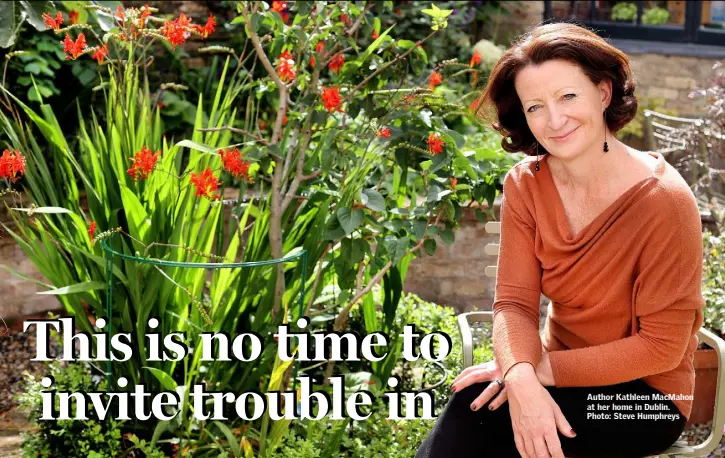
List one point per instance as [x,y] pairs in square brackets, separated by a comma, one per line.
[286,67]
[375,34]
[100,53]
[232,162]
[210,26]
[383,132]
[145,12]
[92,229]
[312,61]
[120,15]
[435,144]
[53,23]
[284,120]
[74,49]
[144,162]
[206,184]
[177,31]
[476,59]
[435,78]
[73,16]
[454,182]
[12,165]
[345,19]
[281,8]
[337,62]
[331,98]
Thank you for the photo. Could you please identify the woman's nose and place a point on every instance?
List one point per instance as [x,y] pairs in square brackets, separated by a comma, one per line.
[557,120]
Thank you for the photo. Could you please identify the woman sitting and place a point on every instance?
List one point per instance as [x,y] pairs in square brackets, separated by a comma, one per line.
[612,236]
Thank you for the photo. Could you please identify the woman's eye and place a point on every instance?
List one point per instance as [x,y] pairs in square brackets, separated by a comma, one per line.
[572,96]
[531,108]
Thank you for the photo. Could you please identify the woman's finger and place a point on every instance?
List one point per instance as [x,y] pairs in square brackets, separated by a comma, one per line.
[554,444]
[540,448]
[485,396]
[520,444]
[486,366]
[482,375]
[499,400]
[529,444]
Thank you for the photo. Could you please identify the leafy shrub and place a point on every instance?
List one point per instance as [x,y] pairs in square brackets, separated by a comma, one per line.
[713,282]
[624,11]
[655,15]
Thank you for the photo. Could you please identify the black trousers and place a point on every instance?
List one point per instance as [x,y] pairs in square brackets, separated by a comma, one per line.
[460,432]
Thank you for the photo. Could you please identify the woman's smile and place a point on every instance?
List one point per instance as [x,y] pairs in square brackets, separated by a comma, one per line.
[565,137]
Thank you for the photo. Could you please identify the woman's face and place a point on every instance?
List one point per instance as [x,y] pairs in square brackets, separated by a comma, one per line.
[563,108]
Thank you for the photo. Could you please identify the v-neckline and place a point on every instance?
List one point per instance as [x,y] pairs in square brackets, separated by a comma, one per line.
[563,221]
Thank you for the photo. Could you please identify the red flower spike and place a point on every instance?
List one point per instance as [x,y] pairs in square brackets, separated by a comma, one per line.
[210,26]
[12,165]
[383,132]
[286,67]
[435,144]
[375,35]
[144,162]
[281,9]
[92,230]
[232,162]
[145,12]
[74,49]
[177,31]
[337,62]
[120,15]
[476,59]
[100,53]
[345,19]
[435,78]
[320,47]
[332,99]
[73,16]
[312,61]
[206,184]
[284,120]
[53,23]
[454,182]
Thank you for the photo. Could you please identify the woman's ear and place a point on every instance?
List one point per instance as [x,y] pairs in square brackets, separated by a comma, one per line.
[605,89]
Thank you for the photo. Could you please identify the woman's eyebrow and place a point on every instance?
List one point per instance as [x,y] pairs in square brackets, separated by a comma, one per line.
[555,92]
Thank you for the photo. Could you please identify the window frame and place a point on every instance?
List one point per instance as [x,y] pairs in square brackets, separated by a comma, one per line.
[689,32]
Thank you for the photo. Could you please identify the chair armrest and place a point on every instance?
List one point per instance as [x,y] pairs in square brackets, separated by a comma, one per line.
[718,420]
[464,326]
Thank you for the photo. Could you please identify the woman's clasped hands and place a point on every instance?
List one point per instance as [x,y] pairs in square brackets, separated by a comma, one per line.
[535,416]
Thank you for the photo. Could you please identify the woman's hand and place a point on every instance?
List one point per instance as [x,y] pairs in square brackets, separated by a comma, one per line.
[482,373]
[491,371]
[535,416]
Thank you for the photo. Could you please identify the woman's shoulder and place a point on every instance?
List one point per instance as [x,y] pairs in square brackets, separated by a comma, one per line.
[521,174]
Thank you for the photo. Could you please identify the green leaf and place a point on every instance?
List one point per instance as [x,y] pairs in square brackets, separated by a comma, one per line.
[373,200]
[8,25]
[51,210]
[233,443]
[165,379]
[34,11]
[196,146]
[429,246]
[77,288]
[448,236]
[350,219]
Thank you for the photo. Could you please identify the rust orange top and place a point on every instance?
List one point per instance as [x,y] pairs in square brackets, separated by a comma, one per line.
[626,300]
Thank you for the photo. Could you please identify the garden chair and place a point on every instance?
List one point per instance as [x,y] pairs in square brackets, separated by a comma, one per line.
[467,322]
[666,135]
